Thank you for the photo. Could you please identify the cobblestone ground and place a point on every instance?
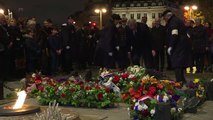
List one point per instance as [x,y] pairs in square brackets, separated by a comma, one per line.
[205,111]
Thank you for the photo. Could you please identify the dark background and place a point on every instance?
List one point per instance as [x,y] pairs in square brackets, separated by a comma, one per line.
[57,10]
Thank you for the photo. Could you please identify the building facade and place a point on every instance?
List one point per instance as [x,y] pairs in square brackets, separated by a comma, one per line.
[136,9]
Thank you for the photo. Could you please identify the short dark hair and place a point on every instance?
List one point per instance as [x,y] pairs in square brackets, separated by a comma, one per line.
[166,12]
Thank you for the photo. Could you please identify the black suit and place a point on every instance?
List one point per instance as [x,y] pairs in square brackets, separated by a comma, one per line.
[69,47]
[179,42]
[4,42]
[106,45]
[158,41]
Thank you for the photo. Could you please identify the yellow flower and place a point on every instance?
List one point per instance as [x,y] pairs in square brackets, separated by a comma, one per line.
[188,70]
[196,80]
[194,69]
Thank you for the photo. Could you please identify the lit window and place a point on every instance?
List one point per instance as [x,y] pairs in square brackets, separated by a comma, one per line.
[160,3]
[153,15]
[138,16]
[123,5]
[132,5]
[132,16]
[159,15]
[117,5]
[154,4]
[138,5]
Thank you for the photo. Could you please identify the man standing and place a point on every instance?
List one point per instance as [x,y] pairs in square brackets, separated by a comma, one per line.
[5,44]
[199,44]
[178,44]
[158,41]
[69,44]
[106,46]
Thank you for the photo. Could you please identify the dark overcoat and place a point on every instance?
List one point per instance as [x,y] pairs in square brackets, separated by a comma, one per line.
[179,41]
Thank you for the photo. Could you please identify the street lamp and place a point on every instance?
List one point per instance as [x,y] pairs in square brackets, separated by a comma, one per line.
[190,9]
[1,11]
[100,11]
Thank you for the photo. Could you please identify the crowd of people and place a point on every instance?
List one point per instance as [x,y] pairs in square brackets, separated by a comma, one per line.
[27,47]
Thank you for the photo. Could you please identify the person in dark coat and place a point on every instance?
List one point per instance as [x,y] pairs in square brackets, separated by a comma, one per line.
[4,45]
[158,42]
[54,50]
[69,45]
[145,45]
[45,32]
[208,26]
[199,44]
[178,44]
[122,45]
[133,33]
[83,37]
[105,50]
[17,66]
[33,52]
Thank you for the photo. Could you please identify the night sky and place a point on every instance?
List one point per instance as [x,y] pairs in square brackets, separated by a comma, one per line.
[57,10]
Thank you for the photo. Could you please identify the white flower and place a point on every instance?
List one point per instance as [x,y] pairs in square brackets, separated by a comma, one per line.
[60,87]
[131,76]
[140,107]
[131,83]
[33,75]
[180,109]
[173,110]
[134,100]
[165,98]
[152,112]
[144,106]
[128,109]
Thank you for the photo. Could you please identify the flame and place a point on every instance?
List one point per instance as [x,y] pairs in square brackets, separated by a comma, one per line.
[20,101]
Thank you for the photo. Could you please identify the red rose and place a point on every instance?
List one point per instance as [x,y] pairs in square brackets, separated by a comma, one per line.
[37,81]
[88,88]
[82,87]
[152,90]
[125,75]
[41,88]
[124,96]
[107,90]
[116,79]
[72,89]
[160,86]
[100,96]
[63,95]
[145,113]
[137,94]
[140,88]
[97,87]
[56,89]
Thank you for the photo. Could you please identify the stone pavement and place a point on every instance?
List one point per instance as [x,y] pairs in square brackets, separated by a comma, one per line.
[205,112]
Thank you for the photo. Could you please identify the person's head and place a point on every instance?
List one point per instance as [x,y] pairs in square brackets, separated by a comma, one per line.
[2,19]
[197,21]
[124,21]
[54,30]
[116,18]
[167,14]
[30,33]
[47,23]
[144,19]
[31,23]
[12,22]
[70,20]
[132,24]
[157,22]
[189,23]
[208,25]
